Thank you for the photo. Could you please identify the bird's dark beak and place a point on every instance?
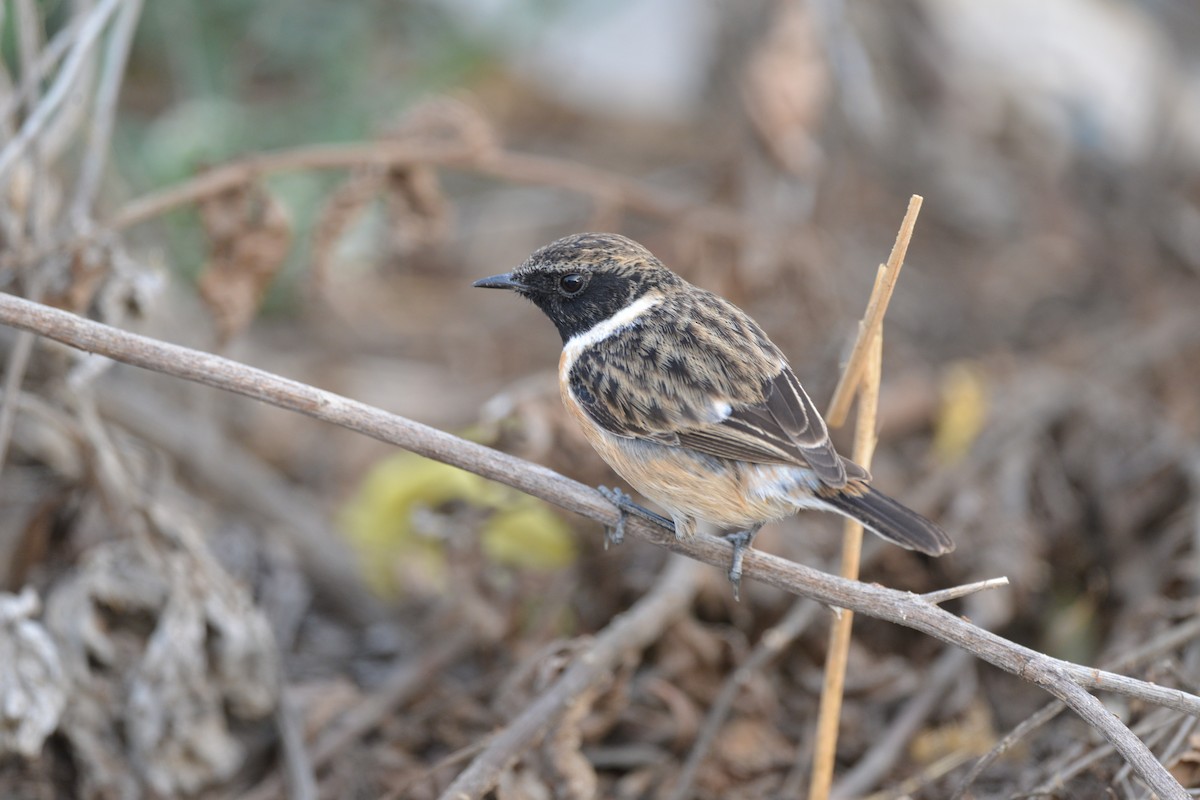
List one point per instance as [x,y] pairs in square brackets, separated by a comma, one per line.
[504,281]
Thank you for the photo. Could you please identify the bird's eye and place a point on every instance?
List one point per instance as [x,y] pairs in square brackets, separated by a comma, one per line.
[572,284]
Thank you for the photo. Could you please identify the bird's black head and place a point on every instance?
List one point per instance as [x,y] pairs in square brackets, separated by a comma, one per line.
[584,279]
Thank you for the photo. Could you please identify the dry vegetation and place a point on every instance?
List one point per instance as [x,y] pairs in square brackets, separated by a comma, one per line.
[183,613]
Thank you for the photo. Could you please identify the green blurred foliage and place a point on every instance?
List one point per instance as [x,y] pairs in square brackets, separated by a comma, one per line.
[270,74]
[212,81]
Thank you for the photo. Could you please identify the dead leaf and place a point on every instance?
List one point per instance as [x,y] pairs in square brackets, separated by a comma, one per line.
[33,684]
[751,746]
[163,650]
[1185,768]
[342,211]
[418,213]
[250,235]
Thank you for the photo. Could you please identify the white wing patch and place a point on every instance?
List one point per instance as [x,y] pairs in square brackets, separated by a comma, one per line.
[721,411]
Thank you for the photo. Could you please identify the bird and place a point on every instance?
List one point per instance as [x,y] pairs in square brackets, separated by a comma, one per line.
[684,395]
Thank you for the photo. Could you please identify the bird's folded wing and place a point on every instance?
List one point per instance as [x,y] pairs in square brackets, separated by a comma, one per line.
[784,428]
[773,422]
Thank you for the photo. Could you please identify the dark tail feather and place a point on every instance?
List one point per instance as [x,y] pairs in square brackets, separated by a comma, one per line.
[885,517]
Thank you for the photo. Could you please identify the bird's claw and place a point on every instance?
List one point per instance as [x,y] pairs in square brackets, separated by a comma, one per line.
[616,533]
[740,542]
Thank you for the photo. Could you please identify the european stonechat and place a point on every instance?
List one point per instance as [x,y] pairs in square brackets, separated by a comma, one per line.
[683,394]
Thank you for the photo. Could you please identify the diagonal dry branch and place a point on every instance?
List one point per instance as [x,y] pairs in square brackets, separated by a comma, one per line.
[1165,642]
[606,188]
[1064,680]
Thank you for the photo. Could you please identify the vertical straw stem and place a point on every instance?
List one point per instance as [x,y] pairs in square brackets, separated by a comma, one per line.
[862,372]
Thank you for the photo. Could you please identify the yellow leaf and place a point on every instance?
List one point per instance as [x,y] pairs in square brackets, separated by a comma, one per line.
[378,520]
[528,535]
[963,411]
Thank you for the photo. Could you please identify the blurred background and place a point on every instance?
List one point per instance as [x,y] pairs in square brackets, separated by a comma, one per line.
[311,187]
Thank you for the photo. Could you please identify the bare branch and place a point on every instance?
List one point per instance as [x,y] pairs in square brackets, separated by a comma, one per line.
[14,376]
[1164,642]
[238,173]
[28,27]
[1061,678]
[1055,680]
[889,745]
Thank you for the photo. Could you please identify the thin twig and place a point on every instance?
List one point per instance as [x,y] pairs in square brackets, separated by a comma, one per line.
[234,174]
[881,295]
[29,28]
[14,375]
[91,169]
[772,643]
[61,131]
[635,629]
[1153,728]
[1183,731]
[955,592]
[912,785]
[902,608]
[1094,713]
[516,167]
[29,36]
[36,122]
[404,683]
[1165,642]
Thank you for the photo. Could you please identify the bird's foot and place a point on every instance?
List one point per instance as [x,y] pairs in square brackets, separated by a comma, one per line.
[624,502]
[741,542]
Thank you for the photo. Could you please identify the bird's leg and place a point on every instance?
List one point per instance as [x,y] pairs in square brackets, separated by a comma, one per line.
[625,503]
[741,542]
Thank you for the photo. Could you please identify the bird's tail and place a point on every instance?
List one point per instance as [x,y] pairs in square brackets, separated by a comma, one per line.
[885,517]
